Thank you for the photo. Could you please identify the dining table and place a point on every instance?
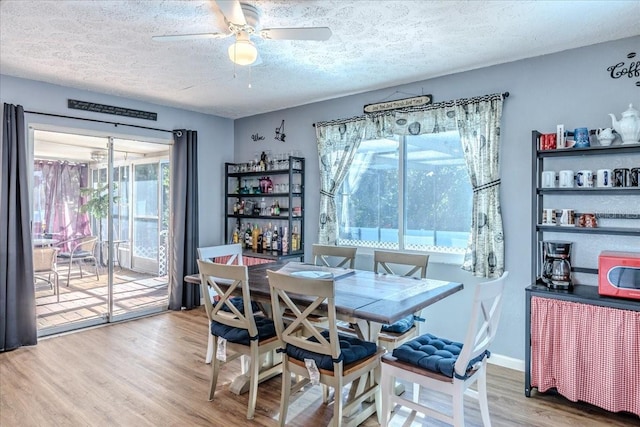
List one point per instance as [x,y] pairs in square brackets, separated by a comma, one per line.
[365,299]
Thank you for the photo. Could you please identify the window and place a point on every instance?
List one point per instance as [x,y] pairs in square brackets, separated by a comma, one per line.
[410,193]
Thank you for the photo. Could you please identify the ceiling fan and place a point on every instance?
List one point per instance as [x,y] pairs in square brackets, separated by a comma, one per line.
[243,21]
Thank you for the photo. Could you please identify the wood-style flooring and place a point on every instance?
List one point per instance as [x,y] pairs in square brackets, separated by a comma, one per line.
[151,372]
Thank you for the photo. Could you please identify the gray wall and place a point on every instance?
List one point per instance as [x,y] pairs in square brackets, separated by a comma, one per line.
[214,134]
[572,87]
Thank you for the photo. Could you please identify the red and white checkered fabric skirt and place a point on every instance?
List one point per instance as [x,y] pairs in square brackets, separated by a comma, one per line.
[588,353]
[248,261]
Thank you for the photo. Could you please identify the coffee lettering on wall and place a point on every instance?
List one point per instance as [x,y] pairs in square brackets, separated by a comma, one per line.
[629,68]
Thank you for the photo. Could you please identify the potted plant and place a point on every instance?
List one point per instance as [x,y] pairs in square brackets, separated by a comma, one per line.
[98,206]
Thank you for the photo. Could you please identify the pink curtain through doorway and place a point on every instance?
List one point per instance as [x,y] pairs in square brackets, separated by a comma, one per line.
[57,200]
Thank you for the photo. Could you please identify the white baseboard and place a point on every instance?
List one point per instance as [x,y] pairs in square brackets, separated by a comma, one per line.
[506,362]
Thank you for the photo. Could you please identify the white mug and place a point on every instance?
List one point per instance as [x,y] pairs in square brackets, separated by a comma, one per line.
[548,179]
[566,179]
[549,216]
[567,217]
[584,179]
[604,178]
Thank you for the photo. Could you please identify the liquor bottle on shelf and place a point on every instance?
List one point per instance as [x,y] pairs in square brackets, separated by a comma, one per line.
[263,207]
[275,245]
[254,238]
[285,241]
[247,237]
[236,235]
[295,239]
[260,246]
[267,238]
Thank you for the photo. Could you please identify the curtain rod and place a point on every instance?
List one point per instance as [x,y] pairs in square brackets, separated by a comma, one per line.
[97,121]
[504,95]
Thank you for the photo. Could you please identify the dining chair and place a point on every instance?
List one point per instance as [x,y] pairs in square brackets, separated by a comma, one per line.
[446,366]
[318,355]
[334,256]
[223,254]
[235,327]
[81,249]
[406,265]
[44,262]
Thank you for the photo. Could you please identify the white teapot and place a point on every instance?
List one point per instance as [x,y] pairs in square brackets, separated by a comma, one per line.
[628,126]
[605,136]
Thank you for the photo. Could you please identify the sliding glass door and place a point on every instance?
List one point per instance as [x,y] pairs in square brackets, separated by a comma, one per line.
[113,192]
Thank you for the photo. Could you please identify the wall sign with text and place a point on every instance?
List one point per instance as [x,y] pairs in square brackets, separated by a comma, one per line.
[74,104]
[629,69]
[416,101]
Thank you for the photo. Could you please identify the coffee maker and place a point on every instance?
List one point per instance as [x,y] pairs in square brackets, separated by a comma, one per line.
[556,264]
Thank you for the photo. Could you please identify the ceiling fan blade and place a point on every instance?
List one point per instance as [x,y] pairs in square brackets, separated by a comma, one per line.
[308,33]
[177,37]
[232,11]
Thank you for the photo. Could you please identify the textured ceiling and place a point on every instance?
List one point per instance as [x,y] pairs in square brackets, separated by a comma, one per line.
[106,46]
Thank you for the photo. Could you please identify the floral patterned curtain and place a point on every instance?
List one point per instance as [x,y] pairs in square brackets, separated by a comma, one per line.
[478,122]
[479,126]
[338,142]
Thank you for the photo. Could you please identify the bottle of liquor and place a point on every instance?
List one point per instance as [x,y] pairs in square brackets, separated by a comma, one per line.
[260,246]
[268,237]
[263,207]
[263,161]
[277,208]
[294,239]
[236,235]
[275,244]
[254,238]
[247,237]
[285,241]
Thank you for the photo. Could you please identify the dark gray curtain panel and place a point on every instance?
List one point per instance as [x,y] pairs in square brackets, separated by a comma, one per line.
[184,202]
[18,325]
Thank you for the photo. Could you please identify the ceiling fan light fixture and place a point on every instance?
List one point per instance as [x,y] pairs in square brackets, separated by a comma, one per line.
[98,156]
[243,52]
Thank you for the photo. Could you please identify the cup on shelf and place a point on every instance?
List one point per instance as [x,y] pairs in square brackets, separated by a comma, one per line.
[548,179]
[604,178]
[549,216]
[584,179]
[567,217]
[548,141]
[621,177]
[566,179]
[587,220]
[581,137]
[634,177]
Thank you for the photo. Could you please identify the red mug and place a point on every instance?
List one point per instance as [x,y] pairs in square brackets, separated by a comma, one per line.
[548,141]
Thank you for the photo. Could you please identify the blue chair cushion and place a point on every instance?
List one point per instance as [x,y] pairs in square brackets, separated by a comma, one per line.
[401,326]
[239,304]
[352,349]
[434,354]
[266,330]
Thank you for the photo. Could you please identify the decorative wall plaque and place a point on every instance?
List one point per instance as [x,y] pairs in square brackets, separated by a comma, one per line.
[399,103]
[74,104]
